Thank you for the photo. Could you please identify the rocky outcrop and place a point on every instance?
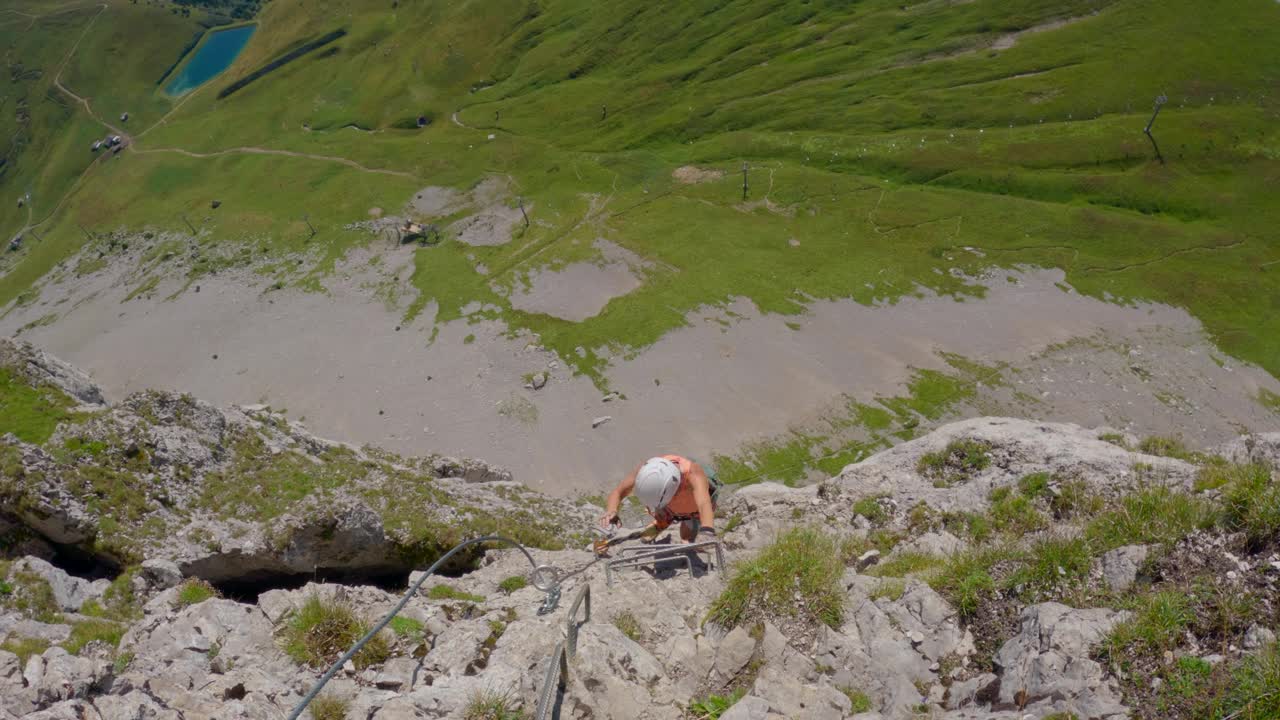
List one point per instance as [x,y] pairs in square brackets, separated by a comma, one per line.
[180,489]
[239,494]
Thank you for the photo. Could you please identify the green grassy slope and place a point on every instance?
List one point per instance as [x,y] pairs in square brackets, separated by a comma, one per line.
[885,139]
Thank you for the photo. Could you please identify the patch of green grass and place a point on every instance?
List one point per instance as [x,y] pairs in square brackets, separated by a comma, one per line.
[1035,485]
[329,707]
[732,523]
[1254,693]
[321,630]
[1158,621]
[859,701]
[871,508]
[1051,564]
[966,577]
[1251,504]
[802,560]
[1150,515]
[407,627]
[194,591]
[957,462]
[1115,439]
[629,625]
[1165,446]
[24,647]
[713,706]
[448,592]
[31,412]
[1016,514]
[1075,500]
[32,597]
[903,564]
[1269,400]
[493,705]
[889,589]
[513,583]
[87,631]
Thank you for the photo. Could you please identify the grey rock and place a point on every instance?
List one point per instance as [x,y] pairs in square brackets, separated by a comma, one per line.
[66,676]
[867,559]
[601,420]
[965,693]
[396,674]
[1047,664]
[68,710]
[734,652]
[161,574]
[69,591]
[1258,447]
[940,544]
[1119,567]
[1257,637]
[748,708]
[132,705]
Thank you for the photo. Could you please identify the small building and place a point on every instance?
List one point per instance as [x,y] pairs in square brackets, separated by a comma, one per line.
[115,140]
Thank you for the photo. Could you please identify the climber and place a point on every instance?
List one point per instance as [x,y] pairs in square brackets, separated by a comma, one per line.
[672,489]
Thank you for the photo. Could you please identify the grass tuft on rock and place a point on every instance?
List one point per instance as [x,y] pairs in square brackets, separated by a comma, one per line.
[1251,504]
[24,647]
[859,701]
[713,706]
[513,583]
[194,591]
[957,462]
[87,631]
[31,412]
[629,625]
[493,705]
[449,592]
[329,707]
[322,630]
[1159,619]
[801,562]
[1150,515]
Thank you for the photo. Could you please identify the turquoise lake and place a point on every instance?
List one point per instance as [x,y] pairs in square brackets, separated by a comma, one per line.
[213,56]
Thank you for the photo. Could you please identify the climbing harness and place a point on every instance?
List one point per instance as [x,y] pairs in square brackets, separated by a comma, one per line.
[544,577]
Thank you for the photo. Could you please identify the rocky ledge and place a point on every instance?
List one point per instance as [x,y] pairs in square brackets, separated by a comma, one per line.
[995,568]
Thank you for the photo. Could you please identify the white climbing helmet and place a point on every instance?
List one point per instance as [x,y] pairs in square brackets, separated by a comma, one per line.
[657,482]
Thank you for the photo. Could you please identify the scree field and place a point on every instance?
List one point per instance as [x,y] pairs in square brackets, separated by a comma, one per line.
[889,150]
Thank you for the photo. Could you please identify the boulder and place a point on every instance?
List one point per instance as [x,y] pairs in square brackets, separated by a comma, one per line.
[69,591]
[1258,447]
[1120,567]
[733,653]
[748,708]
[161,574]
[1046,667]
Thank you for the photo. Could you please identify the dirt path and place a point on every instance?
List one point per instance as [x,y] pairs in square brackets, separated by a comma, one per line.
[57,82]
[286,153]
[131,141]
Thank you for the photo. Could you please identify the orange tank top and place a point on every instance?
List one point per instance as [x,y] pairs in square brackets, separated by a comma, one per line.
[683,503]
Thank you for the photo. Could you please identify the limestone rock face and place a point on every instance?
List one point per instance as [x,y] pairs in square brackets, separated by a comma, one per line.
[197,482]
[210,491]
[1047,665]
